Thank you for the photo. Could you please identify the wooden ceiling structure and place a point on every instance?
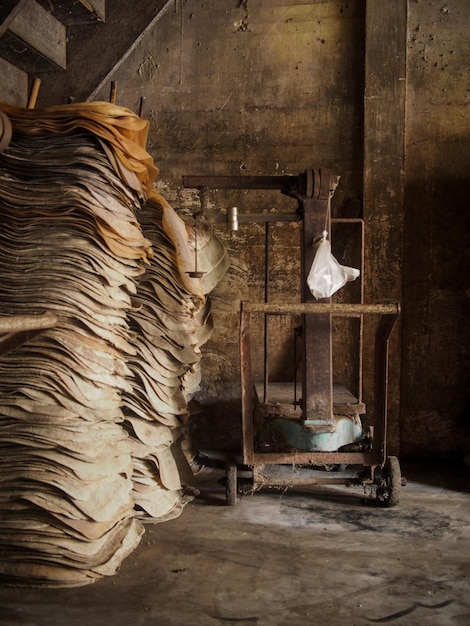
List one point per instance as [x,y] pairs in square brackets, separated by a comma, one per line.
[70,45]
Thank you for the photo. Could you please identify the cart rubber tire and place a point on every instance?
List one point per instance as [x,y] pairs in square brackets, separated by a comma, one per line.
[389,487]
[231,484]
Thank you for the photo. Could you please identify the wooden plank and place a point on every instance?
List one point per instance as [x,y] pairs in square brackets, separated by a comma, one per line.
[384,140]
[9,9]
[312,458]
[280,401]
[246,388]
[38,28]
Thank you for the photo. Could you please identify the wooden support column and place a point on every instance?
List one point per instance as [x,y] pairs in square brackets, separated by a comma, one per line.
[384,135]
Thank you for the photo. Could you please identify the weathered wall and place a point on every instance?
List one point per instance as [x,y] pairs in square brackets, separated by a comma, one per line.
[254,87]
[436,331]
[277,86]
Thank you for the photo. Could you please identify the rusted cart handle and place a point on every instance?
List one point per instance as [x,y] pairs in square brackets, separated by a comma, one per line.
[342,309]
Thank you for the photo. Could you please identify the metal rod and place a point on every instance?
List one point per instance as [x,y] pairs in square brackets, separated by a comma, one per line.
[249,218]
[361,320]
[295,367]
[319,308]
[317,353]
[113,92]
[261,480]
[312,458]
[141,106]
[246,388]
[240,182]
[347,220]
[382,335]
[266,299]
[203,202]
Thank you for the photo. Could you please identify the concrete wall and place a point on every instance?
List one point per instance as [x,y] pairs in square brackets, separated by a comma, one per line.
[436,331]
[251,88]
[273,87]
[264,87]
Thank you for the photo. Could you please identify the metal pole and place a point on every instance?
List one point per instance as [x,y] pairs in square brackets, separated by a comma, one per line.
[266,300]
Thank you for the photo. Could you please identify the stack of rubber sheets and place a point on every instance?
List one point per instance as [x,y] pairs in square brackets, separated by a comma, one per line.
[70,243]
[171,324]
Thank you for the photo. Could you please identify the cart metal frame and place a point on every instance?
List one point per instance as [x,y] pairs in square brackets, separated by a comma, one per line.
[313,190]
[370,460]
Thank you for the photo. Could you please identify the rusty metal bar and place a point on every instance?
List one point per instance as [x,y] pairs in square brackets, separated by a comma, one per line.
[141,106]
[20,323]
[261,480]
[347,220]
[240,182]
[317,363]
[246,388]
[341,309]
[382,335]
[361,321]
[360,222]
[250,218]
[312,458]
[267,249]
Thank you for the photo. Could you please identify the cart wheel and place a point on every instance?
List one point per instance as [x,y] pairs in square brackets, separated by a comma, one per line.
[231,483]
[389,485]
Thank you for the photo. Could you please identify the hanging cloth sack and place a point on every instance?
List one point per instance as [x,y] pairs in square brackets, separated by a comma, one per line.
[326,275]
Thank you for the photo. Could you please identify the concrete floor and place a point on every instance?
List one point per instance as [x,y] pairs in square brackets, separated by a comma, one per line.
[314,556]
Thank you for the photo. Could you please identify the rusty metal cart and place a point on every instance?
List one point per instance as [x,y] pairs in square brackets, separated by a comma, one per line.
[307,449]
[364,463]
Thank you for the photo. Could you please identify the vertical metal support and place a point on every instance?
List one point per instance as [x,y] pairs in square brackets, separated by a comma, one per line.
[361,319]
[317,379]
[267,243]
[246,388]
[384,328]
